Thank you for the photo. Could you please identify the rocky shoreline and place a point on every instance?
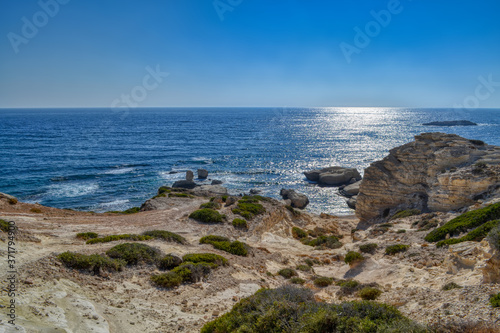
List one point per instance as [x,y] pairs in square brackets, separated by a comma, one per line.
[421,188]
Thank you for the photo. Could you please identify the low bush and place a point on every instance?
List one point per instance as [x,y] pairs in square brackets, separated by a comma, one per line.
[348,284]
[405,213]
[297,280]
[298,233]
[36,210]
[134,253]
[205,257]
[304,268]
[169,262]
[4,226]
[211,205]
[193,272]
[223,243]
[248,209]
[167,280]
[287,273]
[397,248]
[240,223]
[293,309]
[166,236]
[369,293]
[180,195]
[207,215]
[12,201]
[353,257]
[477,142]
[465,222]
[323,281]
[86,235]
[450,286]
[112,238]
[93,262]
[132,210]
[368,248]
[312,262]
[294,211]
[401,231]
[495,300]
[330,242]
[475,235]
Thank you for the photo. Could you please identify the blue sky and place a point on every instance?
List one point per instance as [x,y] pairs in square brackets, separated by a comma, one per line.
[261,53]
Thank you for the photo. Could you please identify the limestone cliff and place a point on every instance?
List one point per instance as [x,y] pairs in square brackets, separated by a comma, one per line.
[436,172]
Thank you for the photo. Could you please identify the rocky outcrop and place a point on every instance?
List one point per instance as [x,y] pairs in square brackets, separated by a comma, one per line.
[298,200]
[451,123]
[202,173]
[189,184]
[351,190]
[436,172]
[333,176]
[189,175]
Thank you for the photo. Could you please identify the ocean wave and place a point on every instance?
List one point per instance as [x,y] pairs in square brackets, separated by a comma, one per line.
[71,190]
[119,171]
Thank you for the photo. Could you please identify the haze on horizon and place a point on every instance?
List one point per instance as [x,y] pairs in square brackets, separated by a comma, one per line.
[68,53]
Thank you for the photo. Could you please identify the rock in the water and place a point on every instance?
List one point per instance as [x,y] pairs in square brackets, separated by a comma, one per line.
[351,190]
[216,182]
[189,175]
[436,172]
[351,202]
[451,123]
[184,184]
[254,191]
[298,200]
[202,173]
[333,175]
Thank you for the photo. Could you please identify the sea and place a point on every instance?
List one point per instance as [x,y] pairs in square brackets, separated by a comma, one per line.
[100,159]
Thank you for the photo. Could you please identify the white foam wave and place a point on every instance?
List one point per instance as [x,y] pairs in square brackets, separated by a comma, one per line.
[71,190]
[119,171]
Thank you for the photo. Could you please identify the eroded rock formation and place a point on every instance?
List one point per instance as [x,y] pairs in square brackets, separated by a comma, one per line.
[436,172]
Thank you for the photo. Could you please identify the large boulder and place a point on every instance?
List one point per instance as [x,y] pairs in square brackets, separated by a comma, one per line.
[189,175]
[297,200]
[333,176]
[351,190]
[436,172]
[209,190]
[202,173]
[184,184]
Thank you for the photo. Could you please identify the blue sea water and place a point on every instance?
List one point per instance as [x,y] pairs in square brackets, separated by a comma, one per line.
[100,160]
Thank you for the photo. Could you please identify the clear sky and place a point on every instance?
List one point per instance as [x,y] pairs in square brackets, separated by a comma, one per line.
[420,53]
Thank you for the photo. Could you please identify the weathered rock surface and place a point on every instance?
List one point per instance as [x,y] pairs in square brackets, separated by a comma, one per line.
[333,176]
[451,123]
[351,202]
[202,173]
[216,182]
[297,200]
[436,172]
[184,184]
[189,175]
[209,190]
[351,190]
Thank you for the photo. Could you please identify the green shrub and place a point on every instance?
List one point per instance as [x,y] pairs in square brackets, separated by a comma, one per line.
[287,273]
[166,236]
[401,231]
[348,284]
[240,223]
[168,262]
[223,243]
[205,257]
[331,242]
[292,309]
[167,280]
[475,235]
[393,249]
[134,253]
[112,238]
[211,204]
[180,195]
[248,209]
[465,222]
[86,235]
[36,210]
[193,272]
[253,198]
[4,226]
[132,210]
[369,293]
[368,248]
[12,201]
[224,198]
[450,286]
[385,225]
[312,262]
[495,300]
[353,257]
[304,268]
[207,215]
[494,238]
[298,233]
[297,280]
[405,213]
[323,281]
[93,262]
